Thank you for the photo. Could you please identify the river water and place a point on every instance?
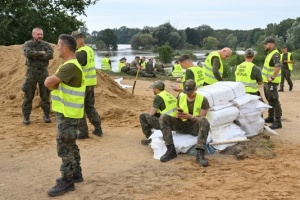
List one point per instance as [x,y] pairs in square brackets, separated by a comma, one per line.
[124,50]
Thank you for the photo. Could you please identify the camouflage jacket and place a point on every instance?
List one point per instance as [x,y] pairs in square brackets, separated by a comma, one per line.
[34,57]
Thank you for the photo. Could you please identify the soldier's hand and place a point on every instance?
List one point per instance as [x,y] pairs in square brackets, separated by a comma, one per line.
[43,52]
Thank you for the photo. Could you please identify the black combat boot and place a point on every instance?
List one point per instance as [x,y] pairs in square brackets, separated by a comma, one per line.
[47,119]
[170,154]
[269,120]
[98,131]
[200,158]
[82,136]
[26,120]
[146,141]
[281,89]
[77,177]
[276,125]
[63,186]
[291,87]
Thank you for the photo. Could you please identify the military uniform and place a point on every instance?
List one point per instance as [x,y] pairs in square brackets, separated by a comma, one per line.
[37,72]
[85,56]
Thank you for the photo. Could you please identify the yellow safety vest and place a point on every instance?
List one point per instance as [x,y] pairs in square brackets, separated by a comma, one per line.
[120,65]
[290,65]
[209,76]
[197,104]
[243,74]
[198,76]
[143,65]
[105,64]
[89,69]
[69,100]
[177,72]
[268,71]
[170,103]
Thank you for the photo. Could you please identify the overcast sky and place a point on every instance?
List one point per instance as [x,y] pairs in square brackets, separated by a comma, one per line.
[218,14]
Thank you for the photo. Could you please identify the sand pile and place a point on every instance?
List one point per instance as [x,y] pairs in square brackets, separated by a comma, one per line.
[116,106]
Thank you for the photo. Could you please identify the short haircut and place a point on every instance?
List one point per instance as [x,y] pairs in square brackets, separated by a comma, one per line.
[69,41]
[183,58]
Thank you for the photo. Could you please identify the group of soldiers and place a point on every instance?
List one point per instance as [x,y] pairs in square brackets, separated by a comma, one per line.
[186,113]
[72,96]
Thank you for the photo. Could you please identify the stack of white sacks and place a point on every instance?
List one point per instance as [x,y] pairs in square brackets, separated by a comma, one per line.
[229,106]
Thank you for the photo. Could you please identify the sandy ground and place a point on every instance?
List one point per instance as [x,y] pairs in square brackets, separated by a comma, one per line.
[117,166]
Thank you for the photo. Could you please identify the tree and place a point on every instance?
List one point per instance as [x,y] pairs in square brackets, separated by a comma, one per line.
[166,53]
[18,18]
[210,43]
[109,38]
[142,40]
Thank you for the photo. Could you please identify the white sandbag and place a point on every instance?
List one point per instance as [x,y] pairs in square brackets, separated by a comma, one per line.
[217,94]
[238,88]
[225,132]
[251,123]
[254,105]
[182,143]
[219,107]
[222,116]
[242,100]
[118,80]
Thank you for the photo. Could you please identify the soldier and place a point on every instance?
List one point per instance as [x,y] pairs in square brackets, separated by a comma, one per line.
[68,93]
[163,103]
[287,61]
[191,112]
[85,56]
[38,53]
[192,72]
[249,74]
[271,73]
[213,65]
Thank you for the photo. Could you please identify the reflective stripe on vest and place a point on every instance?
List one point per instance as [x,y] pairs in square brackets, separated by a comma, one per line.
[268,71]
[197,104]
[69,100]
[105,64]
[209,76]
[89,69]
[170,103]
[120,65]
[243,74]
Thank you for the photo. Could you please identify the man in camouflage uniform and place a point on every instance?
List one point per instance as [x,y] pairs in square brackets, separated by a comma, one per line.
[163,103]
[192,109]
[271,73]
[68,93]
[38,53]
[85,56]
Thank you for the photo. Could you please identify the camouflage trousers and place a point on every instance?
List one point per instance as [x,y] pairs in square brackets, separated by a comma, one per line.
[147,123]
[272,96]
[90,112]
[199,128]
[34,77]
[67,149]
[285,74]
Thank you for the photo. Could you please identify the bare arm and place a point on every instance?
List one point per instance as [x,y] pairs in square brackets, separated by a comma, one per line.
[52,82]
[153,111]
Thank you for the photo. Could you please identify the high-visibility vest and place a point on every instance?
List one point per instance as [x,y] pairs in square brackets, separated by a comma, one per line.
[69,100]
[177,72]
[290,65]
[120,65]
[198,76]
[89,69]
[143,65]
[105,64]
[268,71]
[197,104]
[243,74]
[170,103]
[209,76]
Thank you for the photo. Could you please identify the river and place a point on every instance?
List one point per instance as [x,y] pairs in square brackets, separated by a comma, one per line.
[124,50]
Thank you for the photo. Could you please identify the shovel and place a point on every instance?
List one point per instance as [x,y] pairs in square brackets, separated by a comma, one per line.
[136,76]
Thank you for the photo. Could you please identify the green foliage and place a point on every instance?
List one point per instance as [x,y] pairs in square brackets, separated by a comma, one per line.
[145,41]
[109,38]
[166,53]
[210,43]
[100,45]
[18,18]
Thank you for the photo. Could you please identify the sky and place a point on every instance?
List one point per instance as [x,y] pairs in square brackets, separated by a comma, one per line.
[218,14]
